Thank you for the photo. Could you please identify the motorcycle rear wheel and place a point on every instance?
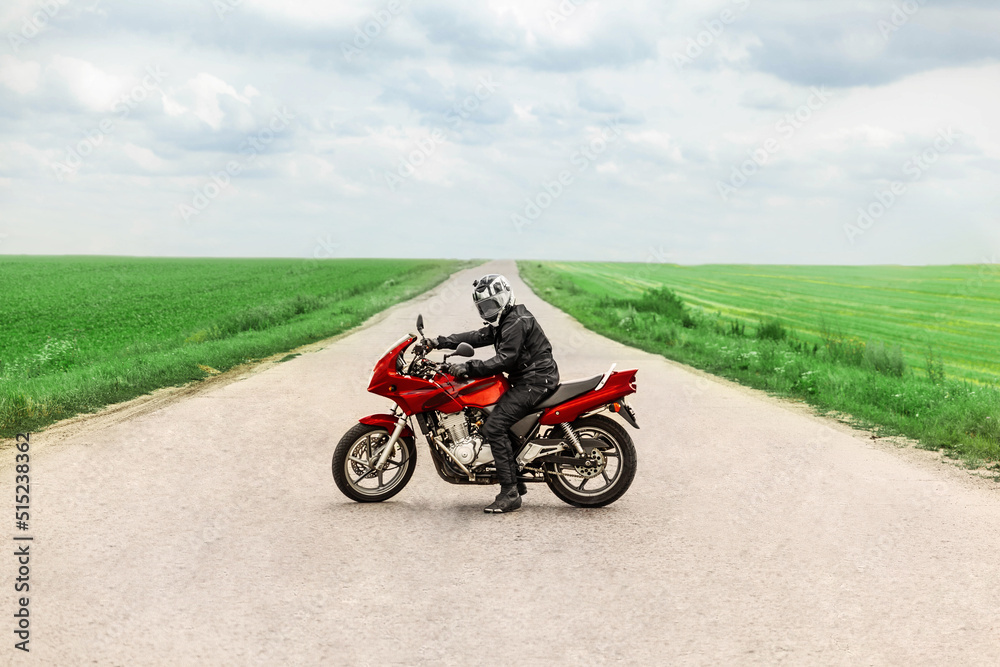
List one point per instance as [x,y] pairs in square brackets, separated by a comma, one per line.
[616,473]
[353,461]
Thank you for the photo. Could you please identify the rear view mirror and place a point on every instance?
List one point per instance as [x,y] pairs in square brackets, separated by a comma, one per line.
[464,350]
[420,324]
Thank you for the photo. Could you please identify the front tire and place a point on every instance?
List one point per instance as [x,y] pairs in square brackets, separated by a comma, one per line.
[361,446]
[570,485]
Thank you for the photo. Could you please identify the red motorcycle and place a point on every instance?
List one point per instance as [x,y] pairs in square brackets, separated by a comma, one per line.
[587,459]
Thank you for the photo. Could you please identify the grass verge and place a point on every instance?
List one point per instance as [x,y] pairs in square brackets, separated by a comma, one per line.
[865,382]
[80,333]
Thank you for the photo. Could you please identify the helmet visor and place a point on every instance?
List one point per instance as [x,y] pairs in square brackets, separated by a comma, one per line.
[489,307]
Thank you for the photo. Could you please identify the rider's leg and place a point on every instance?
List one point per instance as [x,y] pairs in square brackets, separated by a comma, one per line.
[512,406]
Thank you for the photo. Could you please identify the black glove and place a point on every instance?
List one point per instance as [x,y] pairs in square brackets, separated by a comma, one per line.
[458,370]
[424,346]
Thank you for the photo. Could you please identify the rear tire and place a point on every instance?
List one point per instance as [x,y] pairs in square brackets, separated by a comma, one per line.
[615,483]
[359,482]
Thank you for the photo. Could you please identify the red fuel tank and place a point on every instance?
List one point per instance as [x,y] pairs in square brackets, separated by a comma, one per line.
[480,392]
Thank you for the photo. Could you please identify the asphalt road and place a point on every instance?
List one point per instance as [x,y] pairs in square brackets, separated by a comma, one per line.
[208,530]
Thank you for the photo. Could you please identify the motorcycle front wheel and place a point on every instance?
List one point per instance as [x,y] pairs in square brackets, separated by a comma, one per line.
[354,462]
[607,477]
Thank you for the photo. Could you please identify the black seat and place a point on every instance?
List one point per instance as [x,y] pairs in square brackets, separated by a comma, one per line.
[567,390]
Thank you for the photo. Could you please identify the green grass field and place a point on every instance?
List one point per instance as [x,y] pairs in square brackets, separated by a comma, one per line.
[901,350]
[954,310]
[79,333]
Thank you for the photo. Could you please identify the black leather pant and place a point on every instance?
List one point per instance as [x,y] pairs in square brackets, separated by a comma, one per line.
[516,403]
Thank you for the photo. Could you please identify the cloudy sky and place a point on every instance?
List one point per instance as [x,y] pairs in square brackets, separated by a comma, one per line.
[765,131]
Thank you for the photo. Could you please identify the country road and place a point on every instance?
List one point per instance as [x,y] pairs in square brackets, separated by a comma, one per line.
[209,531]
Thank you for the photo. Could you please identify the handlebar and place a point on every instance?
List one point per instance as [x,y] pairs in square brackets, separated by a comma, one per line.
[421,360]
[438,366]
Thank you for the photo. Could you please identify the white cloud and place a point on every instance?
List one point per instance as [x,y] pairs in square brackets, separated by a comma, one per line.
[172,107]
[15,14]
[94,88]
[317,12]
[683,130]
[21,77]
[866,136]
[23,159]
[206,90]
[143,157]
[658,140]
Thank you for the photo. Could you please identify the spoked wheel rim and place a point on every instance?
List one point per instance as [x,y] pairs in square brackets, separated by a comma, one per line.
[592,481]
[364,454]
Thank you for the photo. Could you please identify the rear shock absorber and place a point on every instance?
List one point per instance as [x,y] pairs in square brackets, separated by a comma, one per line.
[573,438]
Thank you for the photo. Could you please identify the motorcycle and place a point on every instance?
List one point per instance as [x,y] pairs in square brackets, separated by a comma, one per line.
[587,459]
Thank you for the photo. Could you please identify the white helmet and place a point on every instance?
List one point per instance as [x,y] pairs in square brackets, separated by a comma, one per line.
[492,296]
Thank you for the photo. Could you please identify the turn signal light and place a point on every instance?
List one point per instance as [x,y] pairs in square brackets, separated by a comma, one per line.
[616,407]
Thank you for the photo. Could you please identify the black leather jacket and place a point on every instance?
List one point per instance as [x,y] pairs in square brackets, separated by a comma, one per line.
[522,350]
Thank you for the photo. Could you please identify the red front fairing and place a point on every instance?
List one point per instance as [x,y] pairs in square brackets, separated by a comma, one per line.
[414,395]
[409,393]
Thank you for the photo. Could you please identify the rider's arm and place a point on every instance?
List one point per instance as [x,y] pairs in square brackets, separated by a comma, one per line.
[479,338]
[512,337]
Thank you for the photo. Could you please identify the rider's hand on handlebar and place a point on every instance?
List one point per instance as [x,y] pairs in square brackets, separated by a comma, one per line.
[424,346]
[458,370]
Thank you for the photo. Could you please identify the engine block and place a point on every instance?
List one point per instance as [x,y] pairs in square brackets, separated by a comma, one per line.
[455,424]
[465,447]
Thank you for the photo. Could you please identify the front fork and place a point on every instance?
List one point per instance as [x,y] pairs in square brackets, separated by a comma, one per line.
[393,439]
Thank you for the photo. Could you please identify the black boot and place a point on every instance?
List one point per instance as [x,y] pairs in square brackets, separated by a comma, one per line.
[507,500]
[522,488]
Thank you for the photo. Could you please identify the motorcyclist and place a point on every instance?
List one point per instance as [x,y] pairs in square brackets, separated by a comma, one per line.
[524,353]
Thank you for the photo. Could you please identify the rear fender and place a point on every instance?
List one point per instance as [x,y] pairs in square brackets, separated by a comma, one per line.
[618,385]
[388,422]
